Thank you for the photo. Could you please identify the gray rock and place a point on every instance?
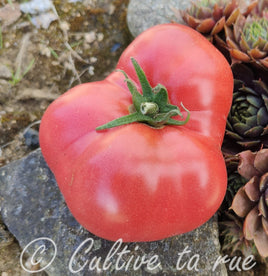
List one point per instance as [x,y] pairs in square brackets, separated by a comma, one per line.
[144,14]
[32,207]
[5,72]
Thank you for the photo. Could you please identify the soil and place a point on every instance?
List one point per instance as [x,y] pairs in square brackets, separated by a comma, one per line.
[38,64]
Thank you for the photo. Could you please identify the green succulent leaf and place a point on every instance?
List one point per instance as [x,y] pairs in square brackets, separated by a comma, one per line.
[241,128]
[234,135]
[265,99]
[239,98]
[262,116]
[251,121]
[235,120]
[255,101]
[254,132]
[249,143]
[265,132]
[252,110]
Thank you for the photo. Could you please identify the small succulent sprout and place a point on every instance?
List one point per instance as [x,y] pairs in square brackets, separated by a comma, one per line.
[231,228]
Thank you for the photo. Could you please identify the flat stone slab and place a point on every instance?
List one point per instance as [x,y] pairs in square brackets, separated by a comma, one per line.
[147,13]
[34,211]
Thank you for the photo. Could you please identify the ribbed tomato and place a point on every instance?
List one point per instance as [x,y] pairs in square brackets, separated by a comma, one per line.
[152,172]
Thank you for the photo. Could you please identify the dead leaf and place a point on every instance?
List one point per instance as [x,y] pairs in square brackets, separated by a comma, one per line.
[36,94]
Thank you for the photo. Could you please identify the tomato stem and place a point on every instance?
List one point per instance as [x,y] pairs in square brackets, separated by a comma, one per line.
[151,107]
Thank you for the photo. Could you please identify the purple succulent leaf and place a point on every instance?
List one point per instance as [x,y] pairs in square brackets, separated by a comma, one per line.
[252,189]
[263,207]
[265,48]
[252,223]
[206,25]
[230,36]
[264,62]
[238,55]
[217,12]
[261,161]
[261,242]
[218,26]
[256,53]
[232,18]
[247,8]
[229,8]
[203,13]
[264,183]
[266,193]
[241,204]
[238,26]
[265,225]
[243,44]
[246,166]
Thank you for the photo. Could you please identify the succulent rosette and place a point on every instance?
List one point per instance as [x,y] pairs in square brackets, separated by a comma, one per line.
[231,229]
[251,200]
[210,16]
[247,122]
[247,40]
[235,180]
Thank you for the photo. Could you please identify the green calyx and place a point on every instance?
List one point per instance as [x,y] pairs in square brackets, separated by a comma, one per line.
[152,107]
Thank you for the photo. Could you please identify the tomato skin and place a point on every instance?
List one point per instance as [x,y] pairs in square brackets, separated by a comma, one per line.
[134,181]
[153,191]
